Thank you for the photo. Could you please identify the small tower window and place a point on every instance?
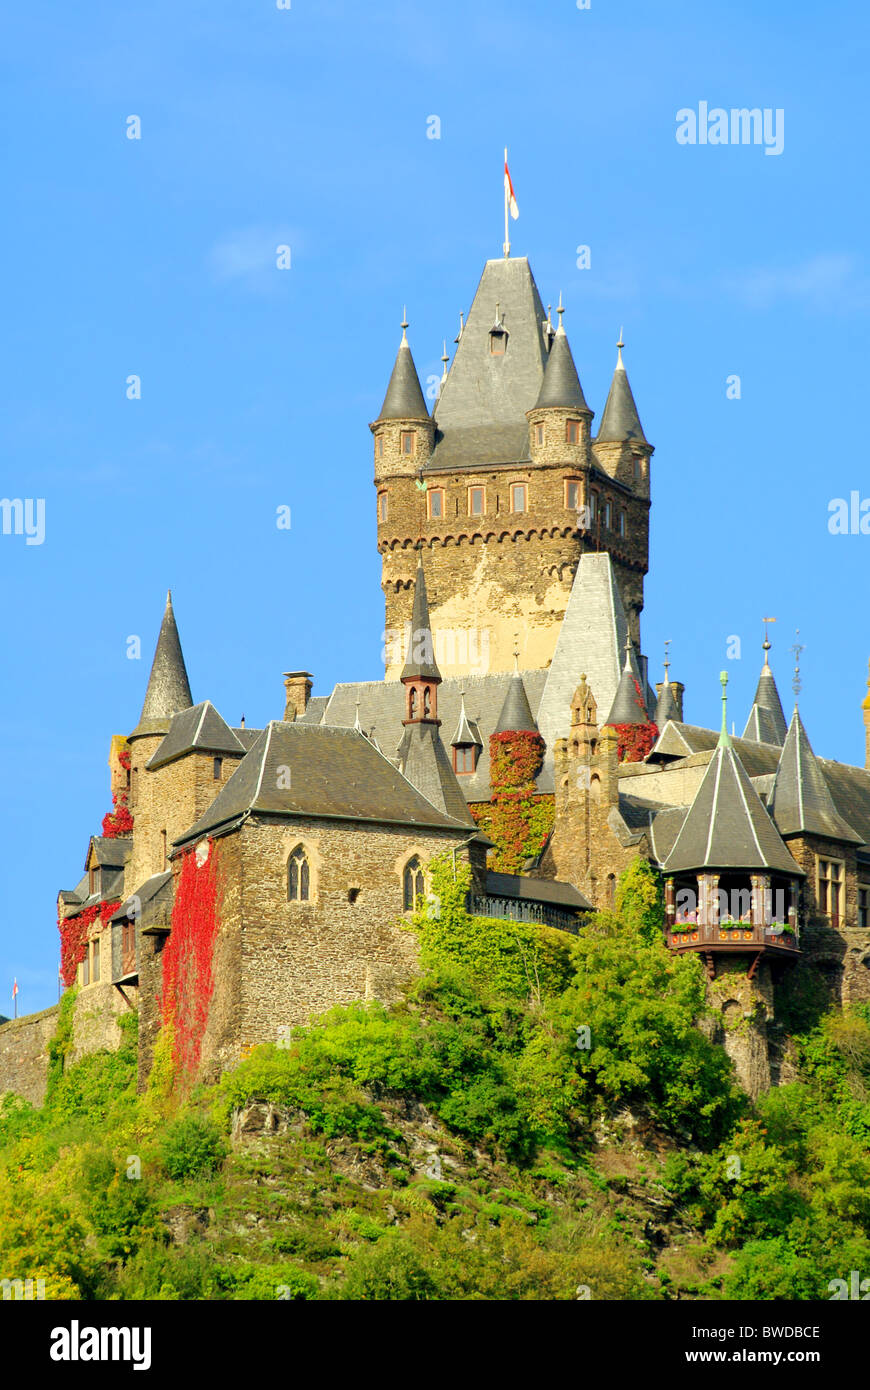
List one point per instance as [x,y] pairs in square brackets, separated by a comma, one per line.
[412,884]
[465,759]
[572,431]
[608,513]
[382,506]
[638,470]
[217,769]
[593,506]
[572,494]
[379,446]
[621,521]
[476,501]
[518,497]
[409,441]
[539,434]
[298,876]
[436,503]
[96,962]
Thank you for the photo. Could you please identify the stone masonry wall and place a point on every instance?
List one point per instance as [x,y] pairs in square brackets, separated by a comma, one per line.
[24,1054]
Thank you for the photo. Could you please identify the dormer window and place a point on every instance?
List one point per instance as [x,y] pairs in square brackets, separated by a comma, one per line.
[465,759]
[94,880]
[572,431]
[409,442]
[498,336]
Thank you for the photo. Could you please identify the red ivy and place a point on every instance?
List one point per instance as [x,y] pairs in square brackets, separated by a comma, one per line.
[515,821]
[118,822]
[124,759]
[74,937]
[188,967]
[634,741]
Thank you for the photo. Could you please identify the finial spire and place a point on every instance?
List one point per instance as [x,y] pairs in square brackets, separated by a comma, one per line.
[405,323]
[724,739]
[667,660]
[619,346]
[765,646]
[796,682]
[559,309]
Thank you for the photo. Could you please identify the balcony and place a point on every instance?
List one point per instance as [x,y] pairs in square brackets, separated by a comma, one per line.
[733,914]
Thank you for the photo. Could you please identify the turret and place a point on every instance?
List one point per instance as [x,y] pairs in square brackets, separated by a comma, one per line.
[766,722]
[621,446]
[560,419]
[404,431]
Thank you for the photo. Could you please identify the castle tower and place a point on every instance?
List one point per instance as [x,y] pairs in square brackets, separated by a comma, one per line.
[167,694]
[421,754]
[508,471]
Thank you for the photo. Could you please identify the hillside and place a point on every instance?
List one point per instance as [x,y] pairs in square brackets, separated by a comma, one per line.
[539,1117]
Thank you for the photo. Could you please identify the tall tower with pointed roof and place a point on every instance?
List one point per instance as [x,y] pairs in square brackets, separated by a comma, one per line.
[504,485]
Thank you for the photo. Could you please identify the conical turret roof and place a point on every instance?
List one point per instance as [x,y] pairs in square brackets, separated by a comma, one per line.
[420,657]
[516,714]
[561,384]
[628,706]
[467,731]
[404,399]
[800,801]
[620,421]
[766,722]
[666,706]
[168,687]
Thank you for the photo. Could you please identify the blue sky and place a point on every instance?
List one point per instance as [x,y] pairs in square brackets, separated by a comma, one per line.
[307,127]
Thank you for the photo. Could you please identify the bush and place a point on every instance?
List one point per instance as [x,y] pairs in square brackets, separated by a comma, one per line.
[192,1147]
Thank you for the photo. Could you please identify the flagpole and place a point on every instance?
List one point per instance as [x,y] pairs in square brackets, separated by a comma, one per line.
[507,246]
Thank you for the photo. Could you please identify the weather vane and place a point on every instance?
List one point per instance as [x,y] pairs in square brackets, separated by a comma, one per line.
[797,649]
[667,659]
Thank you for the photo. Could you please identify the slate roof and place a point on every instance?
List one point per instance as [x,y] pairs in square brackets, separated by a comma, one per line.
[480,414]
[536,890]
[516,715]
[766,722]
[333,774]
[666,706]
[726,826]
[800,800]
[313,710]
[561,384]
[620,421]
[109,850]
[168,687]
[147,893]
[591,639]
[199,729]
[423,760]
[382,705]
[404,399]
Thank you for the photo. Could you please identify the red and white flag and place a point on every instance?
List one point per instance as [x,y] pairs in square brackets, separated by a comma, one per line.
[509,198]
[14,988]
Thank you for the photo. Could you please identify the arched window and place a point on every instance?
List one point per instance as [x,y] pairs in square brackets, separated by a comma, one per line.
[413,884]
[298,876]
[427,707]
[412,703]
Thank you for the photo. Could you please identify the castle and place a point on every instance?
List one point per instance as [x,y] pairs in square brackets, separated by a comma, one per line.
[249,878]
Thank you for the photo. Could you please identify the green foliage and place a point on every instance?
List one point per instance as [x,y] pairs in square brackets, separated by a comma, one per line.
[640,900]
[519,959]
[61,1043]
[192,1147]
[97,1084]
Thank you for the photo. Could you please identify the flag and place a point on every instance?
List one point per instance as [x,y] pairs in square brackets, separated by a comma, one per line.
[509,198]
[14,988]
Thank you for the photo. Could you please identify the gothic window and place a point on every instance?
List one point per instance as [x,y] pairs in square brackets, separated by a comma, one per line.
[218,768]
[572,431]
[409,441]
[412,703]
[382,506]
[298,876]
[572,494]
[830,889]
[436,503]
[413,889]
[427,701]
[476,501]
[519,497]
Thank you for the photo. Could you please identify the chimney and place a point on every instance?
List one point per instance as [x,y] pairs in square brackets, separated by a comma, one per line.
[298,687]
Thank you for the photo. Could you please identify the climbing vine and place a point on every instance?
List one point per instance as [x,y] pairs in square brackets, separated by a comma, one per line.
[188,958]
[119,820]
[74,936]
[634,741]
[517,818]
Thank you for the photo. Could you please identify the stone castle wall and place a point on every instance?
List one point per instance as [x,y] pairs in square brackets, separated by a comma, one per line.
[24,1054]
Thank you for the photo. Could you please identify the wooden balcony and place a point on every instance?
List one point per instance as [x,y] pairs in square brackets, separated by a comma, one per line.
[738,938]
